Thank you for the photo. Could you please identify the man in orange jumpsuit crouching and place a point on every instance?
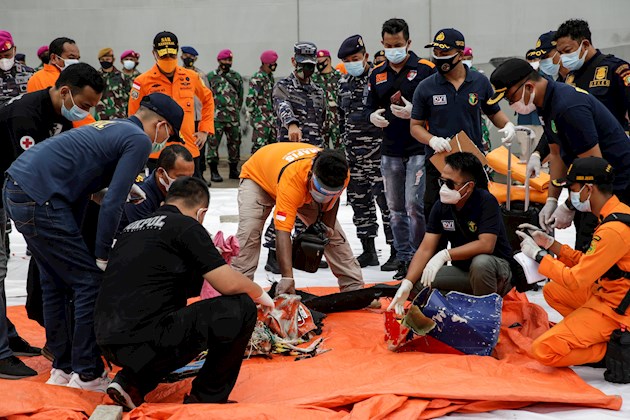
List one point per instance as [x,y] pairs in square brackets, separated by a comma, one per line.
[592,289]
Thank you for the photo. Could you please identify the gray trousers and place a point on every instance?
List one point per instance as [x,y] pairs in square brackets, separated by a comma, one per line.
[487,274]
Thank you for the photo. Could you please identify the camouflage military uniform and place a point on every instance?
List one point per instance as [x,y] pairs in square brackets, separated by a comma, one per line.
[362,143]
[259,104]
[228,100]
[304,105]
[13,82]
[329,82]
[131,76]
[113,103]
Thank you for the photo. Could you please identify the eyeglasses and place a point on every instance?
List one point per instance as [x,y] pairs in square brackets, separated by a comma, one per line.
[450,184]
[514,93]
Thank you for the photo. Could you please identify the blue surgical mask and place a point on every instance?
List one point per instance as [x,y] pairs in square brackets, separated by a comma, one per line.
[155,146]
[573,61]
[396,55]
[73,114]
[355,68]
[582,206]
[548,67]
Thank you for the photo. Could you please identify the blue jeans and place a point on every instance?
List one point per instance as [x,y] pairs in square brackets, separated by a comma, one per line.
[404,180]
[7,329]
[67,268]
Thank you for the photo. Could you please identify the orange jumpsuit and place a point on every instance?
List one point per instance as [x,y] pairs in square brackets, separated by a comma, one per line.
[47,77]
[185,86]
[585,299]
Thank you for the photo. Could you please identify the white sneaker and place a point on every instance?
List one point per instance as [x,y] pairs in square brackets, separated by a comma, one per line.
[96,385]
[59,377]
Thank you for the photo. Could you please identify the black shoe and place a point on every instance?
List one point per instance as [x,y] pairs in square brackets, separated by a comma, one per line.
[323,264]
[368,257]
[403,266]
[392,263]
[124,394]
[13,368]
[272,263]
[214,173]
[20,347]
[234,174]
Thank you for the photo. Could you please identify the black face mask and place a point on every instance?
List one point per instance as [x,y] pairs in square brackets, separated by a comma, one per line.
[273,67]
[106,65]
[188,61]
[322,66]
[445,64]
[225,67]
[304,70]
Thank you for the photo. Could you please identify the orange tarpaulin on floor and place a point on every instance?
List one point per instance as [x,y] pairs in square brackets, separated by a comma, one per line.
[359,378]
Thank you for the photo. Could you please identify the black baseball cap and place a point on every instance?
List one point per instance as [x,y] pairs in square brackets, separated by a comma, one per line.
[447,39]
[165,107]
[508,74]
[588,170]
[305,52]
[546,42]
[165,43]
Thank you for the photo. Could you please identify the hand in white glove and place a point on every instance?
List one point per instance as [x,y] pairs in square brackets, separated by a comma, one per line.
[403,112]
[544,217]
[398,303]
[533,166]
[540,237]
[433,266]
[562,217]
[378,120]
[102,264]
[286,285]
[98,196]
[528,245]
[440,144]
[509,133]
[136,195]
[266,303]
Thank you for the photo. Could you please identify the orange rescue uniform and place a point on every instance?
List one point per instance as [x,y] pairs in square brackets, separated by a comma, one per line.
[585,299]
[47,77]
[292,191]
[185,86]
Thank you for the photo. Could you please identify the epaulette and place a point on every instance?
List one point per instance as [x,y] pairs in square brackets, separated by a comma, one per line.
[426,62]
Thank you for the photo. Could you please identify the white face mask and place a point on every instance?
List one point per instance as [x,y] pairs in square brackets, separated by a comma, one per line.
[170,180]
[535,64]
[67,62]
[448,196]
[582,206]
[467,63]
[7,64]
[129,64]
[574,61]
[521,107]
[396,55]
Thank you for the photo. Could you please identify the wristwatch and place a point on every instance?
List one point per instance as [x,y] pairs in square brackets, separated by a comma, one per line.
[540,255]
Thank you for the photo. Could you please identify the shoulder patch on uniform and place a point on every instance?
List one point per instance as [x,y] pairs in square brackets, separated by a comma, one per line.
[427,62]
[381,77]
[624,67]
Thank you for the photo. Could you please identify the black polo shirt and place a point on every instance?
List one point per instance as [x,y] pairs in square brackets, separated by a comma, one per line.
[581,122]
[25,121]
[480,214]
[397,139]
[152,266]
[449,111]
[154,199]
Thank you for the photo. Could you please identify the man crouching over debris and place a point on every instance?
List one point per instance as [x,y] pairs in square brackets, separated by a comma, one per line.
[470,218]
[142,322]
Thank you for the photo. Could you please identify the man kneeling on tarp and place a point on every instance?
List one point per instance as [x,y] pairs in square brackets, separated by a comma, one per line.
[141,319]
[470,218]
[591,290]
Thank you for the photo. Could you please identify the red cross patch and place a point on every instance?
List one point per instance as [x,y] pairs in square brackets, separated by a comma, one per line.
[27,142]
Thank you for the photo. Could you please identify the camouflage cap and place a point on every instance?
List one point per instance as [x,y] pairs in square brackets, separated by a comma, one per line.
[305,52]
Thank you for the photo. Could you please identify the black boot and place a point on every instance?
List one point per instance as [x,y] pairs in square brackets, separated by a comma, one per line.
[369,257]
[234,174]
[392,263]
[272,263]
[214,172]
[403,266]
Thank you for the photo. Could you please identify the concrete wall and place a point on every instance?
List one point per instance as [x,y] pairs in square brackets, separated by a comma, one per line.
[493,28]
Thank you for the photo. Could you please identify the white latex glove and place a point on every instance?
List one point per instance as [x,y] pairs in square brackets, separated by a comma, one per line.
[266,303]
[102,264]
[544,217]
[540,237]
[533,166]
[398,303]
[562,217]
[403,112]
[440,144]
[377,118]
[136,195]
[509,133]
[433,266]
[286,285]
[98,196]
[528,246]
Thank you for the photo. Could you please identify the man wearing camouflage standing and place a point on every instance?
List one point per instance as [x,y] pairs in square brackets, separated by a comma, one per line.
[328,78]
[227,87]
[113,103]
[362,143]
[13,76]
[259,102]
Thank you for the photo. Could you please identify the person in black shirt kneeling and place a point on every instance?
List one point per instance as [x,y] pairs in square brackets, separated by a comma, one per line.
[142,322]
